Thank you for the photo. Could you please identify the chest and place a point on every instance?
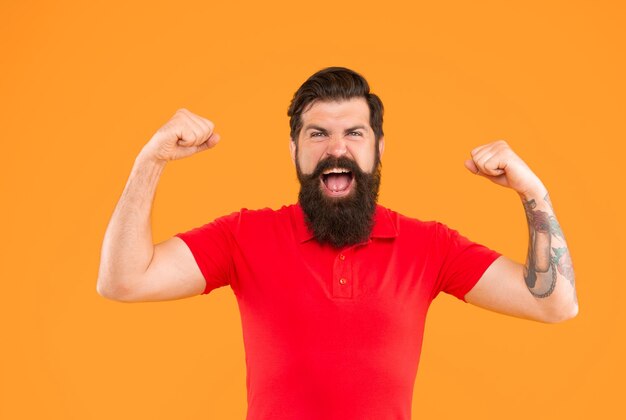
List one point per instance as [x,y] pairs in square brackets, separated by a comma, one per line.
[382,271]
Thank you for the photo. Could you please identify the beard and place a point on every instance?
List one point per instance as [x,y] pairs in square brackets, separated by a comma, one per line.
[340,221]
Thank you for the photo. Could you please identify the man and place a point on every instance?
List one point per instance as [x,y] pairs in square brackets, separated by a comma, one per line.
[333,290]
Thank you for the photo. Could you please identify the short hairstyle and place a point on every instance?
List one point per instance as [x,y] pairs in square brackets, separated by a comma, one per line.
[333,84]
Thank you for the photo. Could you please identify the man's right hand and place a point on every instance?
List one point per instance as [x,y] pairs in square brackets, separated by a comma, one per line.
[183,135]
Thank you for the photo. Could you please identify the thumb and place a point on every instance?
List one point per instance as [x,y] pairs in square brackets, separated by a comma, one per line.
[209,143]
[213,139]
[471,166]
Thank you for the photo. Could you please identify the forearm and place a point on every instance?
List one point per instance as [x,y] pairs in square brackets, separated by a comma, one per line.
[548,271]
[127,248]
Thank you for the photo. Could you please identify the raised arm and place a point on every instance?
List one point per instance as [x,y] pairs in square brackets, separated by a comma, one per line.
[132,269]
[542,289]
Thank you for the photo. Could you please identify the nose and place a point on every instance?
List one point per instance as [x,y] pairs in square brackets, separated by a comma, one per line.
[336,147]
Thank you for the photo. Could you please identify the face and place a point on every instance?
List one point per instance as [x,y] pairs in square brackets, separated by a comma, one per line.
[336,129]
[339,172]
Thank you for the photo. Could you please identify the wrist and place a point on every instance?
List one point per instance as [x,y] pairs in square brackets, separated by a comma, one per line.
[538,191]
[146,158]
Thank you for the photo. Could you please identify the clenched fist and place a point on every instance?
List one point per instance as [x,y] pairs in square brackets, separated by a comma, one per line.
[497,162]
[183,135]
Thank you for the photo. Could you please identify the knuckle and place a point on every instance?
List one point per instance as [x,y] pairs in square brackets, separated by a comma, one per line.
[188,136]
[207,128]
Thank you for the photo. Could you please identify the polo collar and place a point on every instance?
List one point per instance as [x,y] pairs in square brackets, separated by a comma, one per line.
[384,227]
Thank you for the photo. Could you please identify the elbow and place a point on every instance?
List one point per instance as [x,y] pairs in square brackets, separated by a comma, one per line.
[105,290]
[564,314]
[109,290]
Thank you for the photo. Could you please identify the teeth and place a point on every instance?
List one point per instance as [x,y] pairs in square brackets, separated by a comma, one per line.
[336,171]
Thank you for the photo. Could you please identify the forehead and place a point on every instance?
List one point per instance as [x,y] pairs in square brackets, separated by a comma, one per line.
[351,111]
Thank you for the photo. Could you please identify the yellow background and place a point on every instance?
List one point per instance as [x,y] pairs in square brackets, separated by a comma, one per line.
[84,85]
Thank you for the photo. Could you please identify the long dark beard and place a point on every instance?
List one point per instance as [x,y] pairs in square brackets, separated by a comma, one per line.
[340,221]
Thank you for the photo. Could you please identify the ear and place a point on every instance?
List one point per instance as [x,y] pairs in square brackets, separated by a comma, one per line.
[381,146]
[292,150]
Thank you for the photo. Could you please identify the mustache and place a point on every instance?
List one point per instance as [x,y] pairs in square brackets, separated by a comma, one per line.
[335,162]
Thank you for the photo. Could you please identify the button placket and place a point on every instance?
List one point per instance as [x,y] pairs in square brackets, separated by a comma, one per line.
[342,281]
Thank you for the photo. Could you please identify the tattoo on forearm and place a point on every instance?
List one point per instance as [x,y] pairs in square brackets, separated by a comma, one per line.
[544,261]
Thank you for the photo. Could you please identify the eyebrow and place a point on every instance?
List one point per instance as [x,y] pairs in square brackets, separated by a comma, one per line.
[316,127]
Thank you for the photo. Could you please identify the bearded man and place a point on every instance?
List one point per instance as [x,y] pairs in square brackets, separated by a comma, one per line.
[333,290]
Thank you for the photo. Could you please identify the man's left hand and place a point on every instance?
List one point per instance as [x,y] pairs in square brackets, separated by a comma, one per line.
[497,162]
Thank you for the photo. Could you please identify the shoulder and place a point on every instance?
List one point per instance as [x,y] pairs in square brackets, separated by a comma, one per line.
[242,224]
[408,224]
[432,233]
[259,220]
[265,213]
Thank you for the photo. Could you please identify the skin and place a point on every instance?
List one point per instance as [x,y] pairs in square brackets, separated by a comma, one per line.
[542,289]
[329,129]
[132,268]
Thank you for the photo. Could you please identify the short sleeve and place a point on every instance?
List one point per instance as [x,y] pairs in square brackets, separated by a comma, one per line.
[463,262]
[212,246]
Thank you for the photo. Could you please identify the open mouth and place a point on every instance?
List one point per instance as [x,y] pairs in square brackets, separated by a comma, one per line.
[337,182]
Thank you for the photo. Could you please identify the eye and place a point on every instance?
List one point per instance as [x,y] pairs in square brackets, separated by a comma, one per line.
[317,134]
[358,133]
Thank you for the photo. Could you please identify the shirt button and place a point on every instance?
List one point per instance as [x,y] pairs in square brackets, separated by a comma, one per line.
[342,257]
[343,281]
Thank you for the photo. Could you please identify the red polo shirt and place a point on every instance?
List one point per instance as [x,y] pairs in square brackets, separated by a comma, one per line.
[333,333]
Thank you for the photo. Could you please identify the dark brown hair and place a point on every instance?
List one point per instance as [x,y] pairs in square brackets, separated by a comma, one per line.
[334,83]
